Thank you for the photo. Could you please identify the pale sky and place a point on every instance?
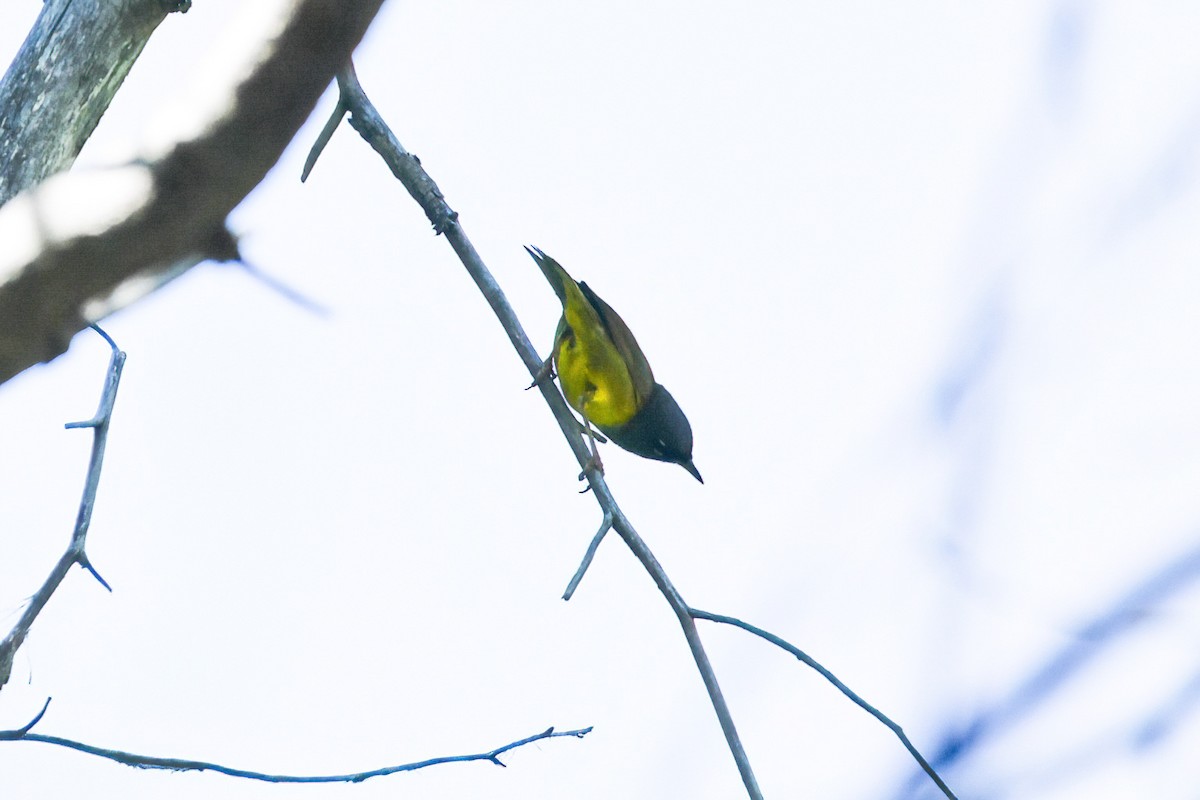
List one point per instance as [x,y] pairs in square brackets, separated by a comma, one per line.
[924,279]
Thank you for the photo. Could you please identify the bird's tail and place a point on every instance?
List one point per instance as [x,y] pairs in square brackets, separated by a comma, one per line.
[553,271]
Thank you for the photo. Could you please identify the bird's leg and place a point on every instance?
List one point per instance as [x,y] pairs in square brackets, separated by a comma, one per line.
[591,434]
[546,371]
[594,460]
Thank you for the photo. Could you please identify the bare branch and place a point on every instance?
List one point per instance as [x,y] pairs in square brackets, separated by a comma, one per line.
[605,527]
[330,127]
[81,245]
[843,688]
[408,170]
[75,553]
[188,765]
[6,736]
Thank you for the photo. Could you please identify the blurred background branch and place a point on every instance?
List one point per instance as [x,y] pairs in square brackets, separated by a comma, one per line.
[81,245]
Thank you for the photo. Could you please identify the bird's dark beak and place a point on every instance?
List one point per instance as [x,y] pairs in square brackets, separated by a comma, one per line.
[691,468]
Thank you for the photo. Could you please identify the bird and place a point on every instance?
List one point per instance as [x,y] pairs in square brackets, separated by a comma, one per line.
[606,378]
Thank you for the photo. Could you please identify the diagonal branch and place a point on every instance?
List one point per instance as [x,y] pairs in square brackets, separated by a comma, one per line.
[841,687]
[593,546]
[75,553]
[408,170]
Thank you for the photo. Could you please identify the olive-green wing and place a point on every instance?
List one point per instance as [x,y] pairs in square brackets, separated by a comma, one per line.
[639,368]
[627,346]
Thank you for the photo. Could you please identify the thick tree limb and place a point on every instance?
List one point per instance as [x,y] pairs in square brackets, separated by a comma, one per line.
[64,76]
[82,245]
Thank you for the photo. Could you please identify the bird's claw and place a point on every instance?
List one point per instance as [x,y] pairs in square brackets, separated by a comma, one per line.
[546,371]
[593,462]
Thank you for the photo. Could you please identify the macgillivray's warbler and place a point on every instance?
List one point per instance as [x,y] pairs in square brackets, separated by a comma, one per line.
[606,378]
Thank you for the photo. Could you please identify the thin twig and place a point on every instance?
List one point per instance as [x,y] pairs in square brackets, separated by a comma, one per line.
[605,527]
[408,170]
[18,733]
[189,765]
[335,119]
[843,688]
[75,553]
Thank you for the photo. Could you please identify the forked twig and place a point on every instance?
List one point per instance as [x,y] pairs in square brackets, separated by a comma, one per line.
[75,553]
[605,527]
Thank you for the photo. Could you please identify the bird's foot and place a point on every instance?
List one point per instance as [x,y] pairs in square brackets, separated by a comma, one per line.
[546,371]
[595,463]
